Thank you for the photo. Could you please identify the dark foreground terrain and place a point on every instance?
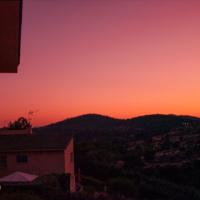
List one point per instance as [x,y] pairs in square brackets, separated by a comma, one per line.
[149,157]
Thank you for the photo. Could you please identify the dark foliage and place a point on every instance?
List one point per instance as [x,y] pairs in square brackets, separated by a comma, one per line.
[50,187]
[21,123]
[123,186]
[101,143]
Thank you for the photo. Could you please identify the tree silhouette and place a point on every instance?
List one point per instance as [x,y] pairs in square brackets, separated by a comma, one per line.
[21,123]
[149,155]
[123,186]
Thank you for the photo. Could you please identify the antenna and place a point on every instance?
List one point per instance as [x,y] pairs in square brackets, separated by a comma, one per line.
[31,113]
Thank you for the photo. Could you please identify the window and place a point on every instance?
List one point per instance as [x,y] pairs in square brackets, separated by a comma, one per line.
[3,161]
[71,157]
[21,159]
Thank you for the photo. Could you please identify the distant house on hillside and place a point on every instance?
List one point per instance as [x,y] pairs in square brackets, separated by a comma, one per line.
[38,154]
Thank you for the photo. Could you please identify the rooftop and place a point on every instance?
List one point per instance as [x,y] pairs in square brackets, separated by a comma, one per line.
[34,142]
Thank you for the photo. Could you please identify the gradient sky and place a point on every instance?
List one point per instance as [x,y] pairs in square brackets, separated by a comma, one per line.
[117,58]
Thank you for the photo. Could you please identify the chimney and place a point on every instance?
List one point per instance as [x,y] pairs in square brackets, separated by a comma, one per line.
[30,129]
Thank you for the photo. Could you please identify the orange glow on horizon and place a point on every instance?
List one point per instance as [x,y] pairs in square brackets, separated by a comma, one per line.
[137,58]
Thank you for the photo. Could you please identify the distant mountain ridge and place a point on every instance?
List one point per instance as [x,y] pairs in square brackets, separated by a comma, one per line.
[189,117]
[98,125]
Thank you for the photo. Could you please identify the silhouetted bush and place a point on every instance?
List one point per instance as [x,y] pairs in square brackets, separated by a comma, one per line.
[64,181]
[158,189]
[90,181]
[122,186]
[196,164]
[19,196]
[149,155]
[48,187]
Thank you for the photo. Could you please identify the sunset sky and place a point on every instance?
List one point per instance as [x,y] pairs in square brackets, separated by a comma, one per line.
[118,58]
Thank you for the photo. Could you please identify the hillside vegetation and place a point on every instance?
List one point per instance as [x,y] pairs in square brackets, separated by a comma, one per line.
[148,157]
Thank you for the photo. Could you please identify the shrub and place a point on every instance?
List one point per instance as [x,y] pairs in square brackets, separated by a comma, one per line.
[19,196]
[48,187]
[64,181]
[89,189]
[123,186]
[50,180]
[90,181]
[149,155]
[81,196]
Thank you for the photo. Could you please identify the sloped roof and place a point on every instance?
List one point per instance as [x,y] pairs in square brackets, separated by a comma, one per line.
[19,177]
[32,142]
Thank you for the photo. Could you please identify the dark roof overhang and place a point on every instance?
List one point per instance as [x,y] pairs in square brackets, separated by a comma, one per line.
[10,35]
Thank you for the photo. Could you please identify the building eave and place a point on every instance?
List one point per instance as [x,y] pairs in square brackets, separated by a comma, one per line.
[32,150]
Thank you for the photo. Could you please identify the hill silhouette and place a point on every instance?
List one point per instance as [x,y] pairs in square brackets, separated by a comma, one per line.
[90,126]
[88,121]
[154,151]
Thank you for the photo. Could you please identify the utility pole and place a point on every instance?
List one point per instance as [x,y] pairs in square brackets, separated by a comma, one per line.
[31,113]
